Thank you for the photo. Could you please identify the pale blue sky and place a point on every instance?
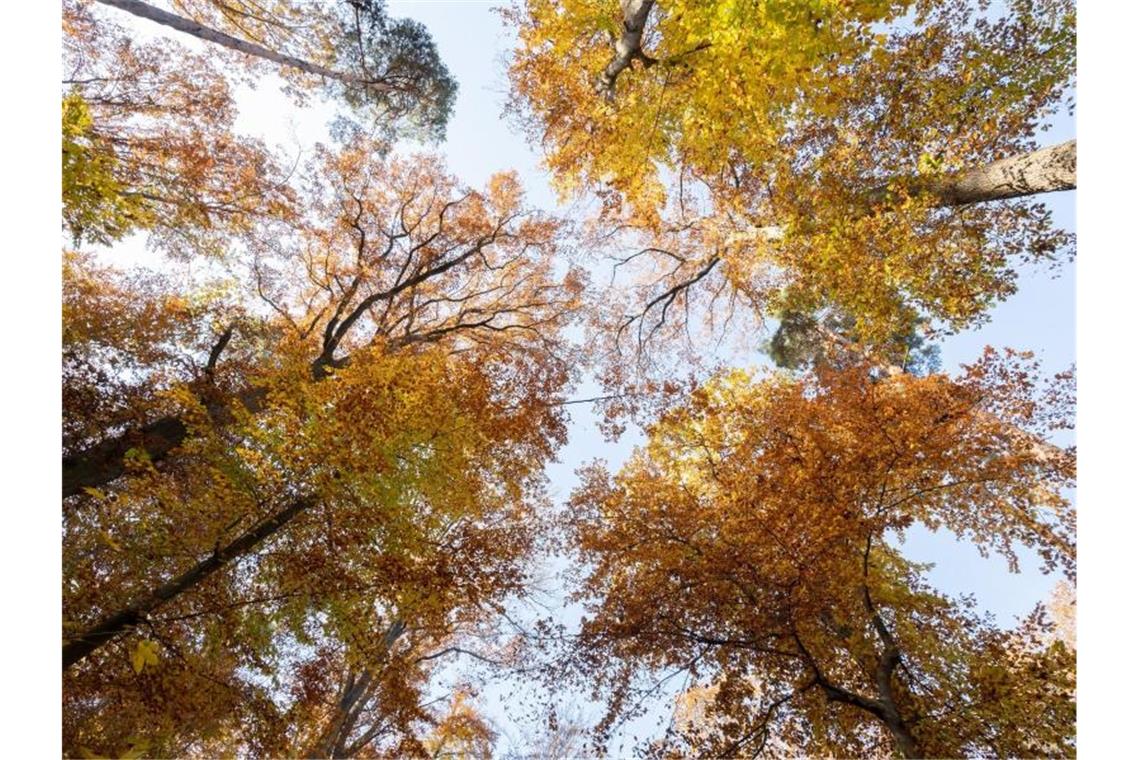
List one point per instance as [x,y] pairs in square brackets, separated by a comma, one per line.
[473,43]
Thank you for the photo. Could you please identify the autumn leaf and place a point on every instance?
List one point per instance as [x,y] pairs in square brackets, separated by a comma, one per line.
[145,653]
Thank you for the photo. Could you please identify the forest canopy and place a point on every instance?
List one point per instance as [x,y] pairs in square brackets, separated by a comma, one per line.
[315,402]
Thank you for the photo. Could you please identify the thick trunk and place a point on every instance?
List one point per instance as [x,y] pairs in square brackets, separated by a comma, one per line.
[102,463]
[1047,170]
[137,611]
[904,739]
[193,28]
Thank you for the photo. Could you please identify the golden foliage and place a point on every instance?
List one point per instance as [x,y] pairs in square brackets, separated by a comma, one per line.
[777,156]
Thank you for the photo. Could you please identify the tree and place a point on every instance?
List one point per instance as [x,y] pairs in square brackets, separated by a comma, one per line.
[363,415]
[748,545]
[563,734]
[462,733]
[349,49]
[767,157]
[414,262]
[148,144]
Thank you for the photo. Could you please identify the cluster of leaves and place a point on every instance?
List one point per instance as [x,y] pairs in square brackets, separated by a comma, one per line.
[746,545]
[793,156]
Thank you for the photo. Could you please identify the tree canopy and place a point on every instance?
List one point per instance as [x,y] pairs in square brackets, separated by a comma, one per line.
[305,454]
[773,156]
[753,544]
[362,419]
[386,70]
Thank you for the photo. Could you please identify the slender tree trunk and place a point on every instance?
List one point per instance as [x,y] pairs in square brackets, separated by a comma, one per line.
[193,28]
[137,611]
[627,47]
[888,662]
[357,691]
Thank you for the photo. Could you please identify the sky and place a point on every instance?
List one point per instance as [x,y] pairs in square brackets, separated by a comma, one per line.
[474,43]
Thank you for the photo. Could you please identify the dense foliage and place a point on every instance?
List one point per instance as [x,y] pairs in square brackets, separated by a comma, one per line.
[753,544]
[304,453]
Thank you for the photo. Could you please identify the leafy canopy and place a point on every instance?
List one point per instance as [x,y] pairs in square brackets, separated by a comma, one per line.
[751,544]
[785,156]
[392,363]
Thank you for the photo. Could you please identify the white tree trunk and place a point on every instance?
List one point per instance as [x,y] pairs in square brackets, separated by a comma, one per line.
[1047,170]
[193,28]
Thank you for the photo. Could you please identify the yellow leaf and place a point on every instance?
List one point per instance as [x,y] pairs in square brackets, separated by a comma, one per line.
[110,541]
[146,653]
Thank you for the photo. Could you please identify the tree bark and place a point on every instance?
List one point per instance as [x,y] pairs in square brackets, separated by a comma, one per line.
[103,462]
[137,611]
[193,28]
[904,739]
[1047,170]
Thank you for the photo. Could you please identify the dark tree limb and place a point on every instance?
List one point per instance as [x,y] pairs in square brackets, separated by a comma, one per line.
[119,622]
[105,461]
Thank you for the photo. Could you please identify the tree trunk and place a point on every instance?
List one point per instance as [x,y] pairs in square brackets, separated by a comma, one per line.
[357,691]
[1047,170]
[102,463]
[888,662]
[137,611]
[193,28]
[627,47]
[904,739]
